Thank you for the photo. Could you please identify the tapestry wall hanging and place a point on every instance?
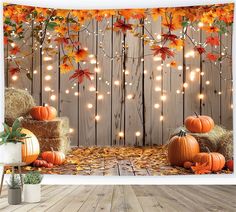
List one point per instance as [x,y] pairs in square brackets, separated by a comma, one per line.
[138,92]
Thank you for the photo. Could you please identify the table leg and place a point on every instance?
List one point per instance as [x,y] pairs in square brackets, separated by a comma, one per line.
[21,179]
[3,170]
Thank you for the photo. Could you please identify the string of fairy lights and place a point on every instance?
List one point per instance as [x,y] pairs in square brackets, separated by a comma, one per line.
[194,73]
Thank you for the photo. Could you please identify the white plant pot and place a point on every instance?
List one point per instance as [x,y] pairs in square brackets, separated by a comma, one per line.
[32,193]
[11,153]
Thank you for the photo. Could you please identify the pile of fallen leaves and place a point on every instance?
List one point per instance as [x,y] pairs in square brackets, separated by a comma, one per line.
[116,161]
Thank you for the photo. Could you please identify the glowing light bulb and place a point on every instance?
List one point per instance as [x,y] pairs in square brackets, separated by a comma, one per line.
[14,77]
[126,72]
[90,106]
[117,82]
[49,68]
[145,71]
[157,89]
[219,92]
[158,36]
[202,73]
[47,58]
[159,68]
[231,106]
[71,130]
[208,82]
[67,91]
[93,61]
[192,75]
[158,78]
[163,98]
[100,97]
[156,106]
[161,118]
[53,97]
[180,68]
[35,72]
[137,134]
[76,93]
[47,88]
[156,58]
[178,91]
[197,70]
[185,85]
[97,117]
[92,89]
[47,77]
[201,96]
[97,70]
[200,24]
[130,96]
[13,45]
[121,134]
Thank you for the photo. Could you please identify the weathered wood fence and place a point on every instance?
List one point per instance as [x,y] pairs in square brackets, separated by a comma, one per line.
[138,101]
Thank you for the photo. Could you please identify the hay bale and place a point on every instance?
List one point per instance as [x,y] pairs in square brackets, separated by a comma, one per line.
[226,145]
[210,140]
[59,144]
[55,128]
[17,103]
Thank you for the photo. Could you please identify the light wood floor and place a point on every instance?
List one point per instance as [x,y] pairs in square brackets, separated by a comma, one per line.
[130,198]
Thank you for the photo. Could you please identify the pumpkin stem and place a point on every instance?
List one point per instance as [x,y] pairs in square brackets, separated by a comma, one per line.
[196,114]
[44,104]
[52,149]
[182,133]
[207,149]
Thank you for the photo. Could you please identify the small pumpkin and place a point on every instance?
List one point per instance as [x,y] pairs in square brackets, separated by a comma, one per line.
[230,165]
[48,165]
[39,163]
[54,157]
[188,164]
[182,148]
[214,160]
[199,124]
[43,113]
[30,148]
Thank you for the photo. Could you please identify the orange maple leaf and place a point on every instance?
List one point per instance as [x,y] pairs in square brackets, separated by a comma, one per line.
[211,29]
[212,57]
[201,168]
[213,41]
[81,74]
[80,55]
[177,44]
[121,25]
[65,67]
[173,64]
[15,50]
[163,51]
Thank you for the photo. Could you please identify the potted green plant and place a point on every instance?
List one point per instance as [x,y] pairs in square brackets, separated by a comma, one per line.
[32,187]
[11,140]
[14,190]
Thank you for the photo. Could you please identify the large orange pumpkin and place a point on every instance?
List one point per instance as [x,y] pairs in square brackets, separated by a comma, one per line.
[54,157]
[182,148]
[43,113]
[30,147]
[199,124]
[215,160]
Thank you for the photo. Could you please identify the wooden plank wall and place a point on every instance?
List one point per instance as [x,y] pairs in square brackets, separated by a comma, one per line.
[123,104]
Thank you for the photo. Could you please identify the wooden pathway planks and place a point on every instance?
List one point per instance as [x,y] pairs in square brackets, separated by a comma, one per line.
[130,198]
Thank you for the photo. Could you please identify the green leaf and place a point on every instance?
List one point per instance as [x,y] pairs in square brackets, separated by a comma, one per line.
[185,23]
[7,21]
[29,76]
[15,125]
[7,128]
[52,25]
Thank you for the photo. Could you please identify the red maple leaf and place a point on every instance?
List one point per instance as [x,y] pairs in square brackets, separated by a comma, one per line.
[62,40]
[170,37]
[212,57]
[79,74]
[214,41]
[120,24]
[200,49]
[163,51]
[14,70]
[15,50]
